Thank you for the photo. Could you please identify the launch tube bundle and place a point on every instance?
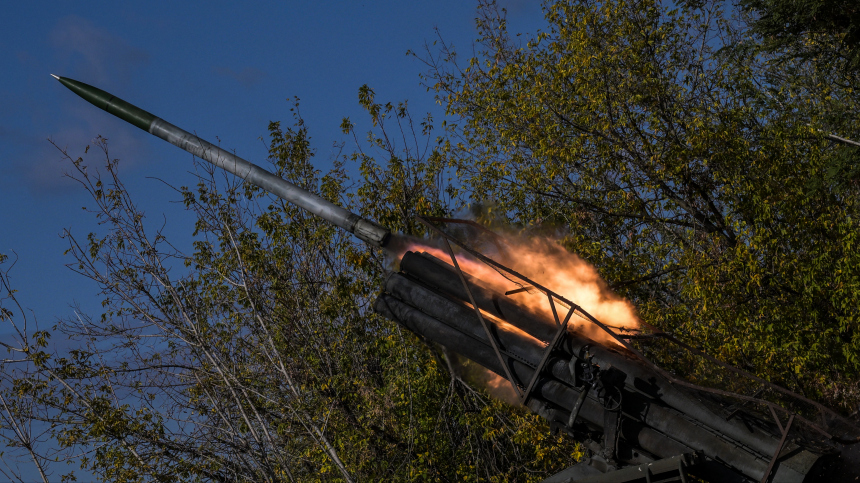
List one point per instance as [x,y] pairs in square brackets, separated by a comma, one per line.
[637,420]
[640,421]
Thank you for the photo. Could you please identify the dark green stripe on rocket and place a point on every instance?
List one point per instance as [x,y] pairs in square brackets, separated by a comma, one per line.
[110,103]
[365,230]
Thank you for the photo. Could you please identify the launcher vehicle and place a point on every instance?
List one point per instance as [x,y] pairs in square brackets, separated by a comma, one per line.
[639,422]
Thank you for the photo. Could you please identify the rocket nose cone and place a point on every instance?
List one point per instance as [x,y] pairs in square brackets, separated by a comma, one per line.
[55,77]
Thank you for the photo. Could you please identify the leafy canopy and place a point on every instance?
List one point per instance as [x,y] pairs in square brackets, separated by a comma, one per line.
[692,170]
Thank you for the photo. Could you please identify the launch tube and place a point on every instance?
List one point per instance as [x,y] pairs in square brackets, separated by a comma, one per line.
[365,230]
[442,276]
[517,345]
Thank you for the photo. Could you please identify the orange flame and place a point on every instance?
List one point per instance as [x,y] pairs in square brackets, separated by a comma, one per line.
[563,272]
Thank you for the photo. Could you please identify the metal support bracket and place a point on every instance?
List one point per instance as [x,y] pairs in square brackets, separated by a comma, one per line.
[562,329]
[781,444]
[611,427]
[490,336]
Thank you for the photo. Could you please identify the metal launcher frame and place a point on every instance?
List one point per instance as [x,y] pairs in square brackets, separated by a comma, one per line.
[723,453]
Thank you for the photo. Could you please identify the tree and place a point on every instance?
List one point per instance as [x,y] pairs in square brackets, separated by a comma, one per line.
[826,32]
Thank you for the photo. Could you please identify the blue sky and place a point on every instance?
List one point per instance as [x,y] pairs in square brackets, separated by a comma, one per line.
[220,69]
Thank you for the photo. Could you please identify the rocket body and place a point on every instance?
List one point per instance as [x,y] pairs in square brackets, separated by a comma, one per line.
[365,230]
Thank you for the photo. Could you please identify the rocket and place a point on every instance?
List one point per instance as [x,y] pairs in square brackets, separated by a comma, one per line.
[366,230]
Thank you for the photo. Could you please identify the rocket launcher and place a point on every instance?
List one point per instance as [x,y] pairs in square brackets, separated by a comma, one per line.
[639,422]
[627,415]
